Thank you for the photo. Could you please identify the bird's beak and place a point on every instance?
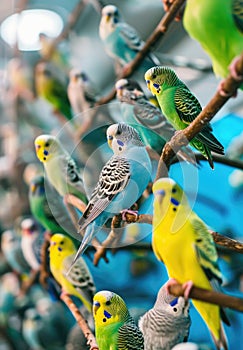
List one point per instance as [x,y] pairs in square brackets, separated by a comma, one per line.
[119,92]
[159,195]
[33,188]
[96,306]
[109,141]
[108,18]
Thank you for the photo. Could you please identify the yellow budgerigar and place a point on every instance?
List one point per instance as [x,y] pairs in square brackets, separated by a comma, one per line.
[182,241]
[78,281]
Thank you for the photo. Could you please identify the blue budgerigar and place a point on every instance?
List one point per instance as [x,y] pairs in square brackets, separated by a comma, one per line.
[120,183]
[121,41]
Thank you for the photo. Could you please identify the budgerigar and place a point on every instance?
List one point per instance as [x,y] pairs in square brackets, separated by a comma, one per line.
[78,282]
[219,29]
[120,183]
[60,167]
[11,248]
[51,52]
[139,112]
[31,242]
[81,92]
[114,327]
[121,41]
[181,107]
[182,241]
[167,323]
[51,88]
[48,208]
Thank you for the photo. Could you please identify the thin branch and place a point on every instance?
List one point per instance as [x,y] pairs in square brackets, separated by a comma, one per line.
[182,137]
[209,296]
[81,321]
[157,34]
[234,163]
[227,242]
[72,19]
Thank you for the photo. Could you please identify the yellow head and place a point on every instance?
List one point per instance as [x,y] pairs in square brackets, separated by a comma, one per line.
[109,308]
[169,200]
[46,146]
[61,245]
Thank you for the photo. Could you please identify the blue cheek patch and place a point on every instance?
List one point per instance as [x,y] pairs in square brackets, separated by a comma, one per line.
[107,315]
[60,249]
[120,143]
[156,86]
[174,302]
[174,201]
[46,153]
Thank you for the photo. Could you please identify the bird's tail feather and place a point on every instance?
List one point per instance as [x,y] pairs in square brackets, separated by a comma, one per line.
[222,342]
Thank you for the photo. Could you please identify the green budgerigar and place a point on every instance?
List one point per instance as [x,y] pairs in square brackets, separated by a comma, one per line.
[218,26]
[181,107]
[115,329]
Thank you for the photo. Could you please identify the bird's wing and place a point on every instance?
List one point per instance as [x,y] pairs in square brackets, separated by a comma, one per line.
[73,175]
[130,337]
[188,108]
[186,104]
[237,10]
[113,179]
[79,277]
[150,116]
[206,251]
[130,36]
[207,257]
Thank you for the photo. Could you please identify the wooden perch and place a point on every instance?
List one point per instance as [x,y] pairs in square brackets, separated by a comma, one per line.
[157,34]
[209,296]
[182,137]
[81,321]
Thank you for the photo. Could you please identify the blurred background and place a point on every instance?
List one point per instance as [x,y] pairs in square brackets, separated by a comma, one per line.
[27,31]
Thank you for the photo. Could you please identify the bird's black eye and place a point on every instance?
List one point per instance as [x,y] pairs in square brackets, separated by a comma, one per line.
[174,309]
[47,144]
[154,76]
[173,190]
[62,242]
[108,302]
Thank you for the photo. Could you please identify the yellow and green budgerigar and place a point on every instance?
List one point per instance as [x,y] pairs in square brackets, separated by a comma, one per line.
[76,281]
[181,107]
[60,168]
[182,241]
[115,329]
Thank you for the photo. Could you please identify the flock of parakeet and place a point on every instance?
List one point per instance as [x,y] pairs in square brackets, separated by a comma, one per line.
[136,138]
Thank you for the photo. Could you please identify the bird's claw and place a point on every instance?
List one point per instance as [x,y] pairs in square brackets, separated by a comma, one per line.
[233,71]
[127,211]
[187,289]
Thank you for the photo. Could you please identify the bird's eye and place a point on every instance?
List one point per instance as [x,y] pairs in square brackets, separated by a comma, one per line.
[173,190]
[174,309]
[47,144]
[62,242]
[154,76]
[108,302]
[110,137]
